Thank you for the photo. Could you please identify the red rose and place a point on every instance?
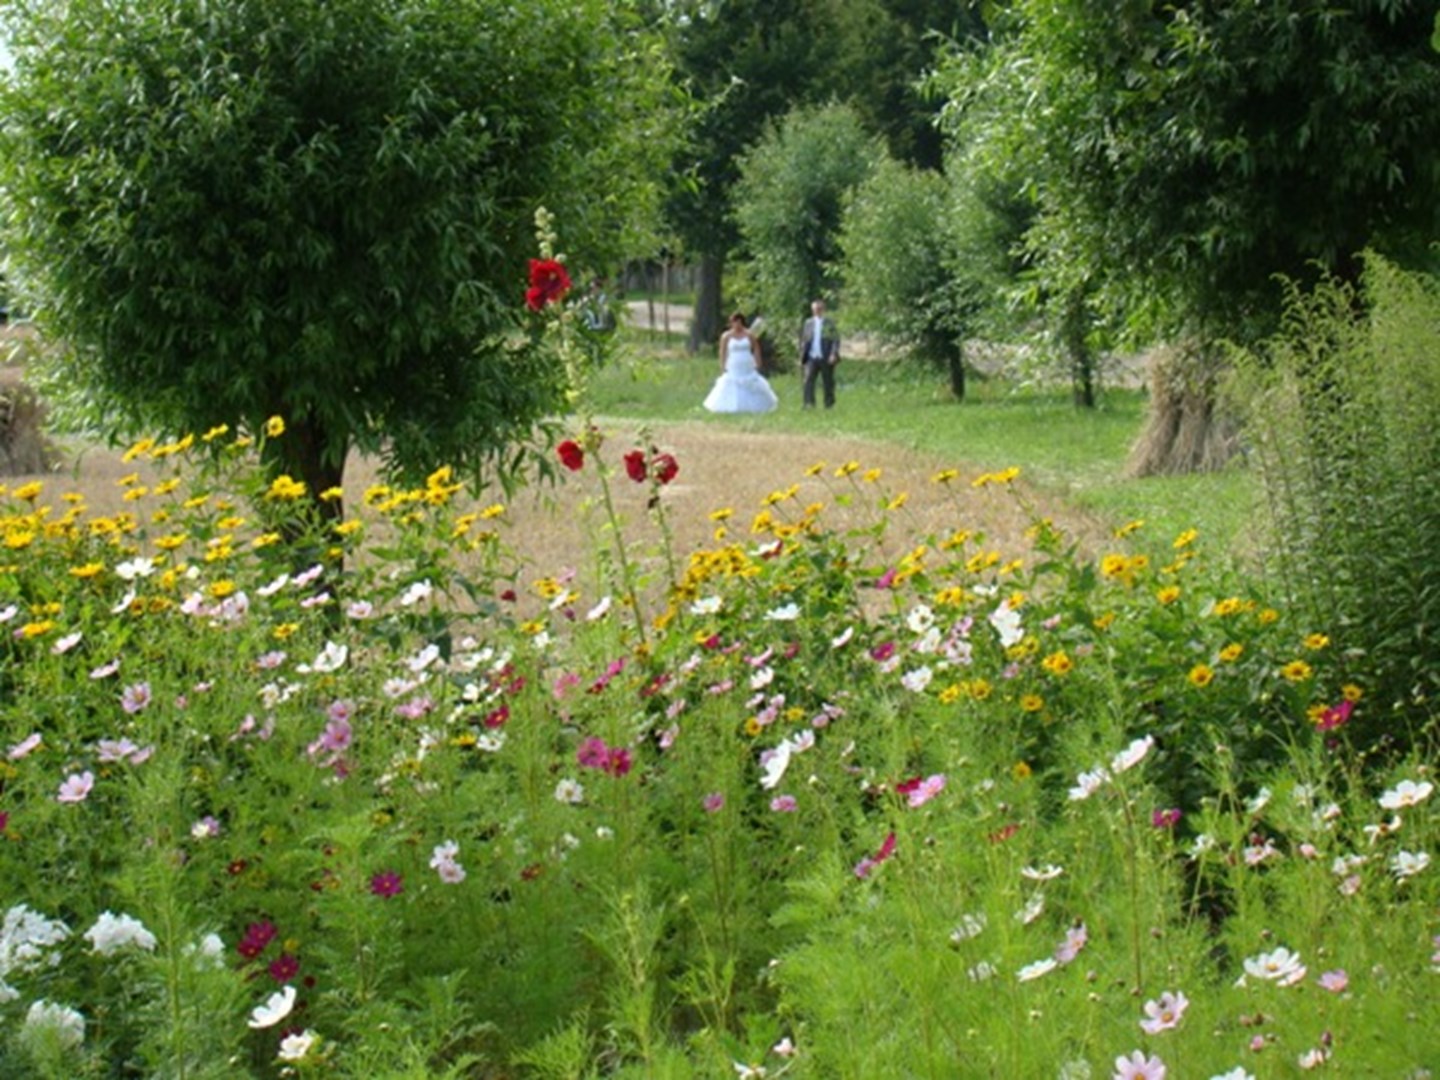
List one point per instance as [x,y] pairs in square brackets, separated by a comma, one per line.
[571,455]
[635,466]
[549,282]
[666,468]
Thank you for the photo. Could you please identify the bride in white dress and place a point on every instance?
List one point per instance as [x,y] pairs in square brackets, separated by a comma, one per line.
[740,387]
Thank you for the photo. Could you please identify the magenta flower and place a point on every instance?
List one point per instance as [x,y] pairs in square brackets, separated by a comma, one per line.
[257,936]
[1335,716]
[714,802]
[284,968]
[387,884]
[593,753]
[76,787]
[1165,819]
[618,762]
[866,865]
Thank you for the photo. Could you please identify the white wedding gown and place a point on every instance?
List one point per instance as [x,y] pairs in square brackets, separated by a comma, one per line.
[741,388]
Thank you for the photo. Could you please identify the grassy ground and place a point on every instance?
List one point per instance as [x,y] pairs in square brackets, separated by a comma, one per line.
[1073,454]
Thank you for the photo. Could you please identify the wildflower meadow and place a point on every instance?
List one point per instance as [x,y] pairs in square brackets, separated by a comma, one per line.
[407,806]
[341,784]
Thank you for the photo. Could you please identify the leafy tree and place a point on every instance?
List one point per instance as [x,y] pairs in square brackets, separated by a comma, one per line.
[1181,155]
[788,203]
[321,211]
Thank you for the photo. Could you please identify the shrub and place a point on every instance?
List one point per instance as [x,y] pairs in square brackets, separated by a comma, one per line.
[1341,409]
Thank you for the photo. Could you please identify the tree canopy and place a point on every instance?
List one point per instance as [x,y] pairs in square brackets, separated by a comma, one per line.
[1190,152]
[321,211]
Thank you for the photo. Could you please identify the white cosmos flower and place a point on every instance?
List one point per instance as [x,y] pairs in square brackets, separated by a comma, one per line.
[1048,872]
[417,592]
[916,681]
[1037,969]
[1087,783]
[332,658]
[125,602]
[66,643]
[1279,966]
[784,613]
[276,1008]
[111,933]
[1033,909]
[1258,801]
[1133,754]
[920,619]
[569,791]
[424,658]
[130,569]
[968,927]
[67,1024]
[273,587]
[297,1047]
[1006,621]
[843,638]
[706,605]
[1406,864]
[1406,793]
[599,611]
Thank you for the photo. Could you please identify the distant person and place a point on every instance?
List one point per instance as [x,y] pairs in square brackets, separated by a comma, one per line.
[819,353]
[596,310]
[740,387]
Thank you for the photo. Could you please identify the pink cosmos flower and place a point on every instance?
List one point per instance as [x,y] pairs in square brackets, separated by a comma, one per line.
[1165,819]
[1164,1014]
[714,802]
[926,789]
[1075,939]
[1335,981]
[1138,1067]
[76,787]
[784,804]
[335,739]
[866,865]
[592,753]
[135,698]
[24,747]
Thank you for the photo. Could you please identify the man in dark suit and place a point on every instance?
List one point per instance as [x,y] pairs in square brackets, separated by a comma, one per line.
[819,353]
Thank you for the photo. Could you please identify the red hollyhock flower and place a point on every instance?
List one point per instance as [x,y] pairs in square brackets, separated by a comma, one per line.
[666,468]
[571,455]
[635,466]
[549,282]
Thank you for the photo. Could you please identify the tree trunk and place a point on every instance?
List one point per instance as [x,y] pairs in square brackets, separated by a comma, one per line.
[707,319]
[955,363]
[305,452]
[1075,339]
[1185,432]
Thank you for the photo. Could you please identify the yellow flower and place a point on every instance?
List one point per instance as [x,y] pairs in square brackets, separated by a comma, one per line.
[195,502]
[1129,527]
[532,627]
[1229,606]
[1105,621]
[1296,671]
[871,475]
[285,630]
[1169,594]
[89,570]
[285,488]
[19,539]
[1315,642]
[1114,566]
[954,596]
[345,528]
[128,480]
[1201,675]
[846,469]
[29,492]
[1021,770]
[753,726]
[171,542]
[816,469]
[1058,664]
[493,511]
[951,693]
[763,522]
[142,447]
[1031,703]
[264,540]
[221,589]
[275,427]
[36,629]
[1232,652]
[165,487]
[955,539]
[722,514]
[332,494]
[215,432]
[1185,539]
[136,493]
[944,476]
[898,501]
[232,522]
[1268,616]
